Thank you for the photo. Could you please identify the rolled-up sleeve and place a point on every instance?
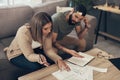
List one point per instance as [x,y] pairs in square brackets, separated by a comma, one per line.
[49,51]
[24,43]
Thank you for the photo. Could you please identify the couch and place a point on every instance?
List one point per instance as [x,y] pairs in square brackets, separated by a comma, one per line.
[12,17]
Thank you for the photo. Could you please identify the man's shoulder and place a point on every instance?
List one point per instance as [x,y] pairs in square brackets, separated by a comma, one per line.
[57,15]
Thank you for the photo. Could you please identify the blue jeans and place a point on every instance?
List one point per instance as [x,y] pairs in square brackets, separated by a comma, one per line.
[22,62]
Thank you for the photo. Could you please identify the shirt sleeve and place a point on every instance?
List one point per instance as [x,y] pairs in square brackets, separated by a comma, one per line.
[50,52]
[55,23]
[25,46]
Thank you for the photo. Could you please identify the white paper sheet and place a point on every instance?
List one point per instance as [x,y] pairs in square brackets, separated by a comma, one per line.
[99,69]
[81,61]
[76,73]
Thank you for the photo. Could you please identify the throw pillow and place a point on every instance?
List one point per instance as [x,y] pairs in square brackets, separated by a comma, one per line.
[63,9]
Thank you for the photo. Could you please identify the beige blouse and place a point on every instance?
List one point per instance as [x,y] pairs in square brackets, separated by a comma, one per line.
[22,44]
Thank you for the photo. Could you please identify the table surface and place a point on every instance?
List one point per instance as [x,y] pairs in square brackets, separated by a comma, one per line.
[112,74]
[108,8]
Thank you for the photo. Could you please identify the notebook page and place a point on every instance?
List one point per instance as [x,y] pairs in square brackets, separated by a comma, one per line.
[81,61]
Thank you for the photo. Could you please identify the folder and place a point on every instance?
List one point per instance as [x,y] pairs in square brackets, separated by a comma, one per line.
[115,62]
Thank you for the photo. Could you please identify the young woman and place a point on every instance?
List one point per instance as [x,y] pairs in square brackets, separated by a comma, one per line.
[20,51]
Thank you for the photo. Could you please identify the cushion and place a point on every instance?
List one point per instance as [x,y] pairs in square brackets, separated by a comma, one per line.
[6,41]
[2,54]
[12,17]
[49,7]
[63,9]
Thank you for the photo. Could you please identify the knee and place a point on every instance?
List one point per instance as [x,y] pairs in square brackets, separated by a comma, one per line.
[81,44]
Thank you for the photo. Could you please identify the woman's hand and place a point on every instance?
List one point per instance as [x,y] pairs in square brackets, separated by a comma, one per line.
[75,54]
[62,65]
[42,60]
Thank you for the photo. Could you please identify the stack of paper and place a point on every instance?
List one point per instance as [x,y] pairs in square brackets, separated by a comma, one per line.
[76,73]
[81,61]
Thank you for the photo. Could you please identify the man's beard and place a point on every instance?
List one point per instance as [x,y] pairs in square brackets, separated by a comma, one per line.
[70,20]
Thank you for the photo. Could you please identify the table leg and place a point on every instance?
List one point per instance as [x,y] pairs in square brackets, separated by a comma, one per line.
[98,27]
[105,27]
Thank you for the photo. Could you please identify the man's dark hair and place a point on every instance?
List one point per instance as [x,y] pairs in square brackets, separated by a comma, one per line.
[81,8]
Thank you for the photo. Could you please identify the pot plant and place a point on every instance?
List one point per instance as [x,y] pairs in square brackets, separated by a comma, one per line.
[87,3]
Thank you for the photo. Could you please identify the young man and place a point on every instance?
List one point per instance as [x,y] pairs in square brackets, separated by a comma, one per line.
[63,24]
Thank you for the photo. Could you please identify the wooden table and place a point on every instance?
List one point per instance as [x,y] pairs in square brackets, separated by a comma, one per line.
[112,74]
[105,8]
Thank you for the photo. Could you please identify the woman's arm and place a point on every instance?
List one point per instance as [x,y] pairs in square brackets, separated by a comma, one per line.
[50,52]
[24,41]
[53,55]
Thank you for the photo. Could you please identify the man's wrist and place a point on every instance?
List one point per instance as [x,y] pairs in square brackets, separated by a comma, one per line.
[86,26]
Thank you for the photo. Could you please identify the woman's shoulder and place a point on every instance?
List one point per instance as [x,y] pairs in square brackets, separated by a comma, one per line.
[23,29]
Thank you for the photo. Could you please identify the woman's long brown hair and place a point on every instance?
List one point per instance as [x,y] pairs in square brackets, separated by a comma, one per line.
[37,22]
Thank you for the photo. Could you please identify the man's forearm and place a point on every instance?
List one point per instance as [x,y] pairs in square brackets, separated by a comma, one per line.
[83,32]
[60,47]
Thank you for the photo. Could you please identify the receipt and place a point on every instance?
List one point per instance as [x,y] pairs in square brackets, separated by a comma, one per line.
[99,69]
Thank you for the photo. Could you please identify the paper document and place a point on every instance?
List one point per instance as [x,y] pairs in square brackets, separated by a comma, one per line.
[81,61]
[99,69]
[76,73]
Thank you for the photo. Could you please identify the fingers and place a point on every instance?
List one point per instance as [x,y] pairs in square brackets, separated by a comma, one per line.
[46,64]
[43,60]
[86,21]
[73,53]
[63,66]
[80,56]
[66,67]
[76,54]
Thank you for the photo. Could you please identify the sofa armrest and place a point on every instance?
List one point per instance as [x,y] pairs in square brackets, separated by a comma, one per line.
[90,37]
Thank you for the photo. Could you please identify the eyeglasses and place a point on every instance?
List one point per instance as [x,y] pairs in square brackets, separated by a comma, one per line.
[103,55]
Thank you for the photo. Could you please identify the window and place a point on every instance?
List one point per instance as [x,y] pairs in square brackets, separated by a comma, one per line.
[18,2]
[15,2]
[3,2]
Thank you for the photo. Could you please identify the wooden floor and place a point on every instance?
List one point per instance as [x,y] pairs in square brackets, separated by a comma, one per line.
[109,46]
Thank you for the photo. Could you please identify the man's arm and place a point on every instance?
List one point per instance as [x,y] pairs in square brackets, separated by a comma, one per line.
[56,44]
[60,47]
[82,32]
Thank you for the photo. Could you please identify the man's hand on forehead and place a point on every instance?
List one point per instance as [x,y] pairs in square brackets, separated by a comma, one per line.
[87,25]
[80,13]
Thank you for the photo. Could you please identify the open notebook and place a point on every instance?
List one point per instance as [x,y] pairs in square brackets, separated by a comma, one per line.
[81,61]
